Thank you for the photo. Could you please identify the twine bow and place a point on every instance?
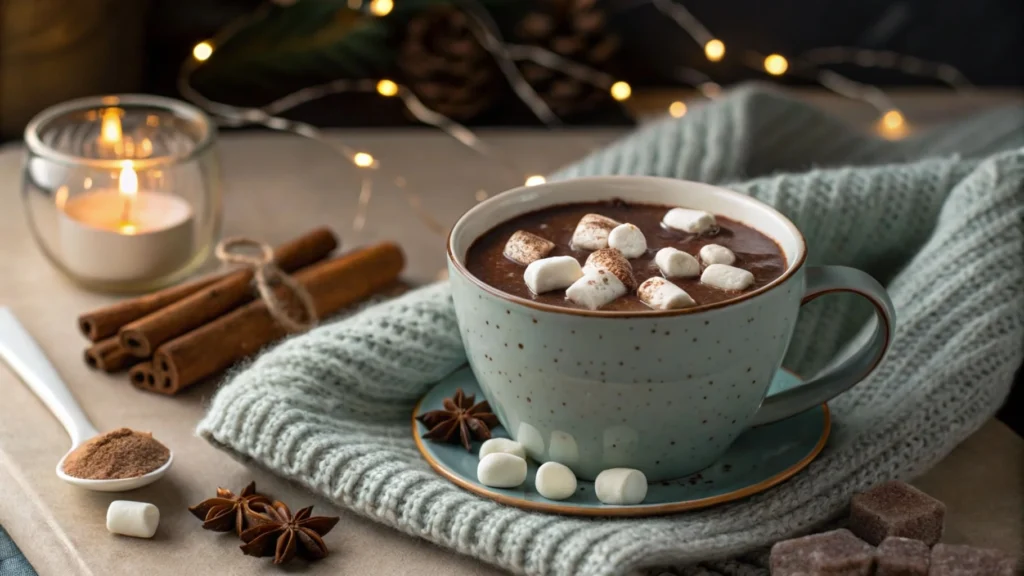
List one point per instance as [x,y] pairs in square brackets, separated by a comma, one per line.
[267,274]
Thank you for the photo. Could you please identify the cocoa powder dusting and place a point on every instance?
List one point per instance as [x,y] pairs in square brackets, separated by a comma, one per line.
[121,453]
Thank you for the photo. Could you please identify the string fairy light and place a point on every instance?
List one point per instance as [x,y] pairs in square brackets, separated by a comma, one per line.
[811,64]
[621,91]
[775,64]
[714,50]
[363,160]
[387,88]
[202,51]
[381,7]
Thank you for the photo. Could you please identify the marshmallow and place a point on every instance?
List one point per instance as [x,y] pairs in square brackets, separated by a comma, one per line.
[675,263]
[613,261]
[727,277]
[524,248]
[138,519]
[555,481]
[692,221]
[501,470]
[621,486]
[595,289]
[715,254]
[553,273]
[502,445]
[661,294]
[592,232]
[563,449]
[629,240]
[531,440]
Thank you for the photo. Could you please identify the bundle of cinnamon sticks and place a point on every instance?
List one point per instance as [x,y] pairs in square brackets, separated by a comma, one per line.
[176,337]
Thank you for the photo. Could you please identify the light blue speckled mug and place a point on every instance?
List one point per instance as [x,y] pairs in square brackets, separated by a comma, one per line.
[665,392]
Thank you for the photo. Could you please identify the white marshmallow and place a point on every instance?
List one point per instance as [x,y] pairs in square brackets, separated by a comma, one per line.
[661,294]
[592,232]
[675,263]
[563,449]
[555,481]
[138,519]
[502,445]
[595,289]
[531,440]
[629,240]
[613,261]
[501,470]
[692,221]
[727,277]
[715,254]
[621,486]
[553,273]
[523,247]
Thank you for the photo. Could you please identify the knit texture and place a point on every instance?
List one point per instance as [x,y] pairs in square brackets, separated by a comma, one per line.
[939,218]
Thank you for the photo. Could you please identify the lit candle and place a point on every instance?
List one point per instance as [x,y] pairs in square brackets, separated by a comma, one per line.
[124,234]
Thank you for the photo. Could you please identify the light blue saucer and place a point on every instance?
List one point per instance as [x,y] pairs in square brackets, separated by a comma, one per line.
[759,459]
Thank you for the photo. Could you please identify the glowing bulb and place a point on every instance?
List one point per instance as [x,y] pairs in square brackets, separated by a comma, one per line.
[202,51]
[714,50]
[535,180]
[110,129]
[362,159]
[776,65]
[381,7]
[893,120]
[387,88]
[677,109]
[621,91]
[892,125]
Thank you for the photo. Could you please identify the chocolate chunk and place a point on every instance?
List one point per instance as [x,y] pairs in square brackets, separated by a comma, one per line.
[901,557]
[951,560]
[835,553]
[896,509]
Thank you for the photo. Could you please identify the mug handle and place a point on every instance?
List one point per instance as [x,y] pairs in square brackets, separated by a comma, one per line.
[823,280]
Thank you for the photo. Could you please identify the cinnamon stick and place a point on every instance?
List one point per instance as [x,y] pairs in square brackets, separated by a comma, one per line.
[104,322]
[141,337]
[141,376]
[108,356]
[333,284]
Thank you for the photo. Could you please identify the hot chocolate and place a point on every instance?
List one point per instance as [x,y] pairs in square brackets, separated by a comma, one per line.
[693,257]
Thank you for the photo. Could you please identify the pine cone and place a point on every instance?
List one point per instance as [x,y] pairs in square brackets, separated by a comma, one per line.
[445,65]
[576,30]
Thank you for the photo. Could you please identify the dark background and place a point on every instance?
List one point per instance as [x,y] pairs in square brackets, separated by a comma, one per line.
[984,39]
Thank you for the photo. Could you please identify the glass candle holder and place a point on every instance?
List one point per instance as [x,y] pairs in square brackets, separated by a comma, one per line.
[123,193]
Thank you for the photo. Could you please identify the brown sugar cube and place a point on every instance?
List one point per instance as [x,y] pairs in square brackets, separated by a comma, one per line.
[523,247]
[901,557]
[835,553]
[896,509]
[952,560]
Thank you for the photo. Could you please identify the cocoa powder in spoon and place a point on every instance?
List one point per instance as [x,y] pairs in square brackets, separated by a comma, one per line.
[121,453]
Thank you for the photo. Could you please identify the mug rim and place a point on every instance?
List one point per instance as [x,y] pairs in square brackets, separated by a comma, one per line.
[461,268]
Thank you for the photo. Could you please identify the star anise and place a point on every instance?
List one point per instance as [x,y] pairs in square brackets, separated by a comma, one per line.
[228,511]
[287,535]
[460,414]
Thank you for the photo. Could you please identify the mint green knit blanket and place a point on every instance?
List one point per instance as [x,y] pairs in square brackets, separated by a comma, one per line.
[937,217]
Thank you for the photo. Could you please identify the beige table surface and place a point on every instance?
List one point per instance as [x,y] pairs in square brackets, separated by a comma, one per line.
[278,185]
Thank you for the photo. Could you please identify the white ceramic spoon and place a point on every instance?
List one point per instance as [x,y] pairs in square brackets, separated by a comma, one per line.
[26,358]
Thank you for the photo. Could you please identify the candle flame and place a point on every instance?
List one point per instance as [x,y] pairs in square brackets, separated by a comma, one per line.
[110,130]
[128,185]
